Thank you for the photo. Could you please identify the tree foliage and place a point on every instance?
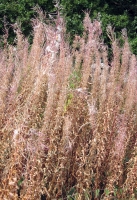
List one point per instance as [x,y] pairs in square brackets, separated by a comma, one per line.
[21,12]
[120,14]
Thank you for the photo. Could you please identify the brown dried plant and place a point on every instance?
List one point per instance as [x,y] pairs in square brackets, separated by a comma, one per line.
[68,122]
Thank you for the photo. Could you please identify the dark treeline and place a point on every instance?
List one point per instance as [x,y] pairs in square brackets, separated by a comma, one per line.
[120,14]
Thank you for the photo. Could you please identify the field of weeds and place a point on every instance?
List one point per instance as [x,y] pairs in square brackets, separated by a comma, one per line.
[68,116]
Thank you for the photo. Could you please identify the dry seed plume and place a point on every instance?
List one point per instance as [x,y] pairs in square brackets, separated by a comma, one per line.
[67,125]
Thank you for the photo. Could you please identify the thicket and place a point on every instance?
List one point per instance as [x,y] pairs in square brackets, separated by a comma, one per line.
[68,122]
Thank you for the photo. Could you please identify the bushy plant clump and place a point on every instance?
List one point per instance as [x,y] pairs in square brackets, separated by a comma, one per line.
[68,117]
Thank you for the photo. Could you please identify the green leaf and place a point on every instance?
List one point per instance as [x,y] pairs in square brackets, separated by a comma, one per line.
[115,192]
[106,192]
[72,191]
[20,181]
[97,193]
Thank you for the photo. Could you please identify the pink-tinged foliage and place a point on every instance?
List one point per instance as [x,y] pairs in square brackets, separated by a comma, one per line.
[68,119]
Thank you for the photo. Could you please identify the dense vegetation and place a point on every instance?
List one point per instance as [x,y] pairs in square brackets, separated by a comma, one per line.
[68,123]
[120,14]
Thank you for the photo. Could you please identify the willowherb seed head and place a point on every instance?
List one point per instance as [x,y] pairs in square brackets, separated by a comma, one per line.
[36,142]
[121,137]
[92,108]
[82,92]
[16,136]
